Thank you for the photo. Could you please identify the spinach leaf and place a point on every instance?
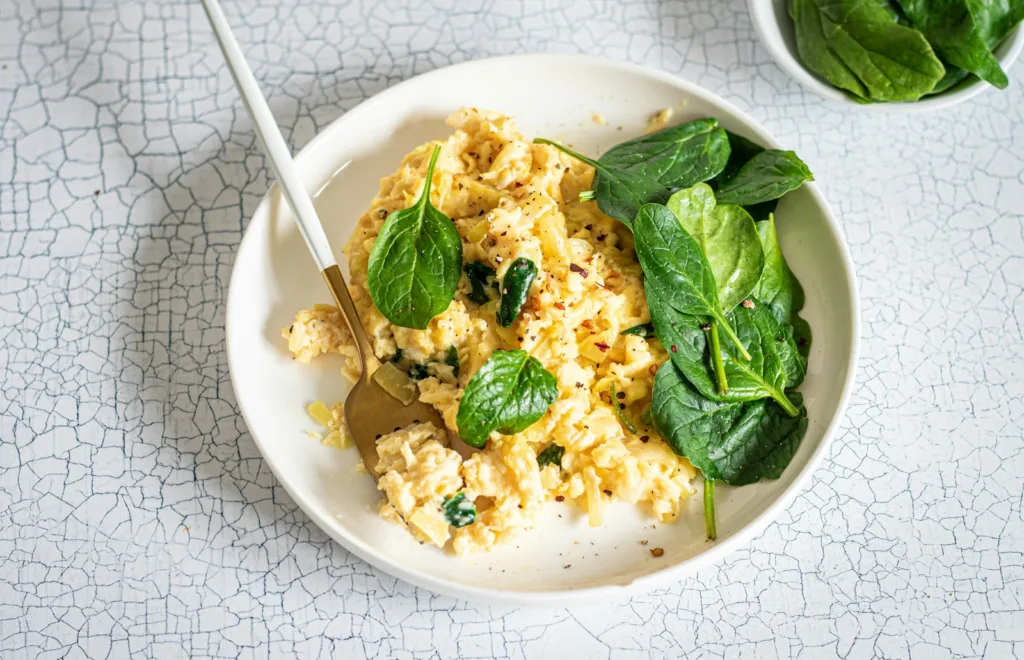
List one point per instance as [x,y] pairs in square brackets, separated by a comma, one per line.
[683,337]
[452,360]
[727,235]
[676,267]
[690,423]
[413,270]
[645,330]
[739,443]
[677,156]
[953,32]
[551,456]
[768,175]
[515,288]
[996,18]
[459,511]
[619,192]
[779,289]
[742,151]
[775,364]
[481,277]
[619,409]
[761,443]
[510,392]
[856,46]
[418,372]
[953,77]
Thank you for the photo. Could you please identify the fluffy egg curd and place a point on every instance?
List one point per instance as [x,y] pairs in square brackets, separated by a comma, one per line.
[510,198]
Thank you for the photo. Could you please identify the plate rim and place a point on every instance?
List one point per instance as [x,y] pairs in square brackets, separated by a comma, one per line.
[556,597]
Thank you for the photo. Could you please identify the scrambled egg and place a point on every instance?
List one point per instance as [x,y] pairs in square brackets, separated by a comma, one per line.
[510,198]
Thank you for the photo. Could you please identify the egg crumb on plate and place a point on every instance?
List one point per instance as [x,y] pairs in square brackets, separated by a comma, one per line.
[509,198]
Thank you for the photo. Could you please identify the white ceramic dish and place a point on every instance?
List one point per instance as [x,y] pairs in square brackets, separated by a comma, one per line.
[554,96]
[775,29]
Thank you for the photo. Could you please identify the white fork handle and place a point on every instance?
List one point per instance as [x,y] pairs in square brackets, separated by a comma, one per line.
[273,144]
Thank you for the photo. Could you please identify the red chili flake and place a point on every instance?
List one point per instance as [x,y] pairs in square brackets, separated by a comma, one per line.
[645,438]
[559,498]
[603,346]
[579,269]
[560,306]
[608,493]
[602,237]
[518,185]
[657,552]
[674,349]
[749,304]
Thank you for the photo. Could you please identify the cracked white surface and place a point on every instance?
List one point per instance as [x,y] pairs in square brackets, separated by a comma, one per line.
[136,516]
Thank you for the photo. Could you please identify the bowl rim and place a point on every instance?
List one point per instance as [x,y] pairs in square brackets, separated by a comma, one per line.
[762,14]
[553,598]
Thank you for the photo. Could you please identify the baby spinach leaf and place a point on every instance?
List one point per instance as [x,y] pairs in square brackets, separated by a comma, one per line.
[768,175]
[856,46]
[739,443]
[515,288]
[953,77]
[676,268]
[727,235]
[619,192]
[510,392]
[551,456]
[619,409]
[690,423]
[645,330]
[414,265]
[684,339]
[458,510]
[481,278]
[761,443]
[956,36]
[452,360]
[742,151]
[995,18]
[775,364]
[677,156]
[779,289]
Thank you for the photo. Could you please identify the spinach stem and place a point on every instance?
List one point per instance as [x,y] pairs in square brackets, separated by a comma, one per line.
[731,334]
[578,156]
[786,404]
[716,359]
[709,509]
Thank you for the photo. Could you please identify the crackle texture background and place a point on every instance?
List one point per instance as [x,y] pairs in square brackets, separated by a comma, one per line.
[136,516]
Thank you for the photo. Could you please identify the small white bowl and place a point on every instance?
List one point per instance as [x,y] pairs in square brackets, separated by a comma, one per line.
[562,559]
[775,29]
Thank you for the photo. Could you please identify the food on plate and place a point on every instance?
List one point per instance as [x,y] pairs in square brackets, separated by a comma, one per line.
[902,50]
[574,330]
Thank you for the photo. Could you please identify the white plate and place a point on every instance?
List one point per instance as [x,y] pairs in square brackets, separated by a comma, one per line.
[554,96]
